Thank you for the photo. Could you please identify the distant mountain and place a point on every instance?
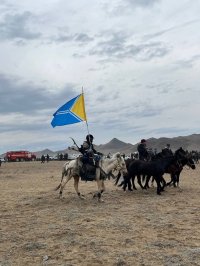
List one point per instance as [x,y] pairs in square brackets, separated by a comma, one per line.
[53,153]
[44,152]
[191,142]
[114,146]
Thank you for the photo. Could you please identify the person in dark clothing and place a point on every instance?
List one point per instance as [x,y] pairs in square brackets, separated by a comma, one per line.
[142,150]
[47,158]
[88,151]
[42,158]
[167,150]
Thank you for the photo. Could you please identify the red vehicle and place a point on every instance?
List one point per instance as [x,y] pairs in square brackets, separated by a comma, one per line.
[20,156]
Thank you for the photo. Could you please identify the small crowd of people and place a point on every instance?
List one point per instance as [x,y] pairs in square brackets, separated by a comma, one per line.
[43,159]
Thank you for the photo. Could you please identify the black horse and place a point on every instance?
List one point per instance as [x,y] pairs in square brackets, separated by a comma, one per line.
[127,161]
[155,168]
[184,159]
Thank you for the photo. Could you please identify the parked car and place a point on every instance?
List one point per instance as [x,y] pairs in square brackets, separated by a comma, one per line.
[2,160]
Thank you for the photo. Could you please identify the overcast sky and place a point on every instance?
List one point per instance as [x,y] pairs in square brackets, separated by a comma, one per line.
[138,62]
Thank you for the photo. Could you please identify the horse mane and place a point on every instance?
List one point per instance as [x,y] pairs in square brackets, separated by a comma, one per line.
[116,155]
[180,150]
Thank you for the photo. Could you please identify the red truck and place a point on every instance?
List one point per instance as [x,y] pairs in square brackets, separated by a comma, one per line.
[20,156]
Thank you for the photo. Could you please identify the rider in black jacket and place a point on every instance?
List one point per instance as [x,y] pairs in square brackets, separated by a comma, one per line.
[142,150]
[88,150]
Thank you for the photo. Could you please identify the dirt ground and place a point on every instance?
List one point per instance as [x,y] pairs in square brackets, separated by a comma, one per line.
[129,228]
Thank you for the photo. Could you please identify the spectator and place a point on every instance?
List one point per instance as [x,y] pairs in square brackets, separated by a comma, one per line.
[42,158]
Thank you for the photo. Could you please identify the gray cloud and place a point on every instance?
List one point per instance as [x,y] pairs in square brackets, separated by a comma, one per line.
[164,87]
[81,38]
[16,26]
[40,125]
[189,63]
[141,3]
[116,48]
[162,32]
[167,130]
[29,98]
[126,6]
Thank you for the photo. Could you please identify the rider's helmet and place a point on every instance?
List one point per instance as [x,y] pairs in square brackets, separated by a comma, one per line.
[89,137]
[143,140]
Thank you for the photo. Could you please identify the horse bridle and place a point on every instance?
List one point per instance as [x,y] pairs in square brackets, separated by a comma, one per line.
[189,163]
[117,166]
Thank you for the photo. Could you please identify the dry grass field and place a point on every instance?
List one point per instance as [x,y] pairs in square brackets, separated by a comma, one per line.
[129,228]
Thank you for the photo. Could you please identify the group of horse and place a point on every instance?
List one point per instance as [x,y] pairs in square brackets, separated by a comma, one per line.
[117,166]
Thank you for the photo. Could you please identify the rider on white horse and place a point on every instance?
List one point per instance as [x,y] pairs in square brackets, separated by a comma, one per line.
[90,155]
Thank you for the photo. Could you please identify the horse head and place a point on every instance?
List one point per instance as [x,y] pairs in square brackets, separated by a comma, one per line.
[190,162]
[118,163]
[184,157]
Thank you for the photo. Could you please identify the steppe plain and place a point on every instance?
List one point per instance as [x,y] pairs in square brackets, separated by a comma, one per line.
[128,228]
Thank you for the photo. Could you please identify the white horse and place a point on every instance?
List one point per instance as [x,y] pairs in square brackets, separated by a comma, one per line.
[106,168]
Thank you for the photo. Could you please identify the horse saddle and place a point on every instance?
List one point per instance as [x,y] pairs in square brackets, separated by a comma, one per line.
[88,172]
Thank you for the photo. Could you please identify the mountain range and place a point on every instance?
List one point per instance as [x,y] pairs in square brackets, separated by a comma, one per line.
[191,142]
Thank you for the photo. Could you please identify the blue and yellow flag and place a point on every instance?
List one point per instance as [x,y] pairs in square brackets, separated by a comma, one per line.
[70,113]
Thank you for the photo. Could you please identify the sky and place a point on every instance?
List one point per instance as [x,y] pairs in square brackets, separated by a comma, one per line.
[138,62]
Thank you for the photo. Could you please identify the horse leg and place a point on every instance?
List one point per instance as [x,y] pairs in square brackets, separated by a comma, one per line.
[139,181]
[163,183]
[125,182]
[76,181]
[129,184]
[177,179]
[133,182]
[121,184]
[172,178]
[101,188]
[152,180]
[62,185]
[117,179]
[158,180]
[147,181]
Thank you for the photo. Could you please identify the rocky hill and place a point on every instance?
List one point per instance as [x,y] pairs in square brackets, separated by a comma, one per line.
[191,142]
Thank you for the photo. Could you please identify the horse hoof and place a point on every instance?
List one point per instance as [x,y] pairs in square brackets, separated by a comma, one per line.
[82,196]
[100,200]
[95,195]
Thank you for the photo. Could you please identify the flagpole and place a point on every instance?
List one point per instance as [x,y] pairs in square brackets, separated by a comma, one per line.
[85,113]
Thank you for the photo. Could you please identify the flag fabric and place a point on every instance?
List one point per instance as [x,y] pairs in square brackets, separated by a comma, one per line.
[70,113]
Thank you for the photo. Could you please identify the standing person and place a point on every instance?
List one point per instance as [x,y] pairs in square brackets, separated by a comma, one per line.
[142,150]
[42,158]
[47,158]
[0,162]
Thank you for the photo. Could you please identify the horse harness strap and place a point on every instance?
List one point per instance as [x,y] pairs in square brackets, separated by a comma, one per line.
[117,166]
